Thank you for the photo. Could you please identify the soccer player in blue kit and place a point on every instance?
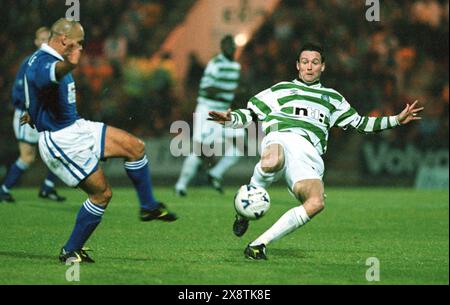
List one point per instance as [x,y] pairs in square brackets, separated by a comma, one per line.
[72,147]
[27,138]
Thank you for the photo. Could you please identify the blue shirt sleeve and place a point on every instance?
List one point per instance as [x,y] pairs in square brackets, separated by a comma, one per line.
[18,95]
[45,72]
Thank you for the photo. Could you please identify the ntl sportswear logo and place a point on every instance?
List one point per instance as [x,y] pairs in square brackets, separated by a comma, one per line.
[310,112]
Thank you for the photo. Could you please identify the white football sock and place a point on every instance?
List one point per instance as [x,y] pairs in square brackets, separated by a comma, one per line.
[188,171]
[289,222]
[262,179]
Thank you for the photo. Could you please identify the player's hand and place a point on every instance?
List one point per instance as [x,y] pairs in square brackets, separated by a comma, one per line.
[410,113]
[220,117]
[73,53]
[26,119]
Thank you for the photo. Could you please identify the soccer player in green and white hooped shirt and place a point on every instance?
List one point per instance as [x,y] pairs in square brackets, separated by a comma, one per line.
[296,118]
[217,90]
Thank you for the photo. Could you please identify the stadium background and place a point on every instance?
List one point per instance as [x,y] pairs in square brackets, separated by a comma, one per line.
[130,75]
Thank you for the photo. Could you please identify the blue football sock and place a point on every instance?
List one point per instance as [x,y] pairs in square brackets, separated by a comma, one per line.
[89,216]
[14,174]
[139,173]
[49,183]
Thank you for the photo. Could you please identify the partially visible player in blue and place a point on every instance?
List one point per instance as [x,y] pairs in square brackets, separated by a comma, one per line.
[72,147]
[27,137]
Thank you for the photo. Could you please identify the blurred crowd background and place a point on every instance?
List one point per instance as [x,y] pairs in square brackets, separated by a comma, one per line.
[377,66]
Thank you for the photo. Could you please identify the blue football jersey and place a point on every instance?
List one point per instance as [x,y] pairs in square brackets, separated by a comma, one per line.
[18,94]
[52,103]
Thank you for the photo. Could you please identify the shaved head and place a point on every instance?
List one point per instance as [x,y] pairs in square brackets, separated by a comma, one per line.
[66,35]
[69,28]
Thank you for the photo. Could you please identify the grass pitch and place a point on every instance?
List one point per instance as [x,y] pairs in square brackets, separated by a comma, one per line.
[405,229]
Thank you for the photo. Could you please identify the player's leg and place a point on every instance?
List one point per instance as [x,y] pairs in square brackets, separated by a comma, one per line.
[266,172]
[232,154]
[121,144]
[48,191]
[271,163]
[26,158]
[89,216]
[189,169]
[311,193]
[73,156]
[303,172]
[192,162]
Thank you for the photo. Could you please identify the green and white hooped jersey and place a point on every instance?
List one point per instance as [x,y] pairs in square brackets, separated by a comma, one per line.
[309,110]
[221,74]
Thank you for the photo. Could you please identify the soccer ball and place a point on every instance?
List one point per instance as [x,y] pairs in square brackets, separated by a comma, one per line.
[251,202]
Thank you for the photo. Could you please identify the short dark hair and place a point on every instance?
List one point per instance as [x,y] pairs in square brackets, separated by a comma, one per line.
[226,39]
[311,46]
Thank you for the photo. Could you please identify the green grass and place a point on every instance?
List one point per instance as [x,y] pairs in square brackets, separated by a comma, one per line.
[406,229]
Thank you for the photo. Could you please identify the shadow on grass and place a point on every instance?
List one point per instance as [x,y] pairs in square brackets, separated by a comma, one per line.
[56,207]
[287,253]
[21,255]
[122,259]
[54,258]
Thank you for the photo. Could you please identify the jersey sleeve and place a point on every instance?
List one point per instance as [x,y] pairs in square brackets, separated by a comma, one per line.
[45,72]
[263,104]
[18,95]
[346,116]
[258,108]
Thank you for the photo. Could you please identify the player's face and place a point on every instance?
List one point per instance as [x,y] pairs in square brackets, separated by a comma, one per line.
[310,66]
[75,38]
[41,38]
[229,48]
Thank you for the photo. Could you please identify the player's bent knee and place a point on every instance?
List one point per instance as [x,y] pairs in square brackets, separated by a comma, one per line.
[271,164]
[107,195]
[103,198]
[28,158]
[138,149]
[315,204]
[272,159]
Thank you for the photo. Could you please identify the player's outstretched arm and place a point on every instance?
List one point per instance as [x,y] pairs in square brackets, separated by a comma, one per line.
[220,117]
[410,113]
[365,124]
[241,118]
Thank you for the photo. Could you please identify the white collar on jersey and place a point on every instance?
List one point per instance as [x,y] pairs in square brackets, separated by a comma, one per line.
[48,49]
[314,85]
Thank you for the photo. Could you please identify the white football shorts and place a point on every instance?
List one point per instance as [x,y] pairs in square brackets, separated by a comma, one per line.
[24,133]
[302,161]
[207,132]
[73,153]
